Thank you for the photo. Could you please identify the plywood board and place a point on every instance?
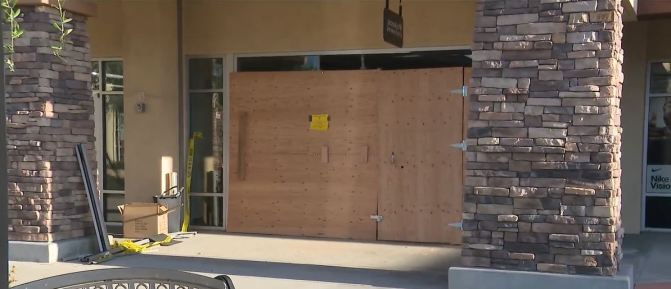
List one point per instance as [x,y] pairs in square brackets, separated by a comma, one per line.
[297,181]
[420,174]
[467,103]
[294,181]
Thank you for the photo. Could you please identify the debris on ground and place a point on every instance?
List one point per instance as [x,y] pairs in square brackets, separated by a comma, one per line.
[129,247]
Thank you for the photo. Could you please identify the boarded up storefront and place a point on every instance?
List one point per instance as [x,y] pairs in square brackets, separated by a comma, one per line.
[322,153]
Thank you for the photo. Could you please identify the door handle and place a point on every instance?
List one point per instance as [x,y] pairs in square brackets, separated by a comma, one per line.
[393,158]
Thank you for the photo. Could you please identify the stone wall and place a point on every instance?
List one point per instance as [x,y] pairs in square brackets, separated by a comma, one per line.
[49,110]
[542,186]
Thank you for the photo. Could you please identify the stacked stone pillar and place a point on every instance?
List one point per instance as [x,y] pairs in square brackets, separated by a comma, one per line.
[542,187]
[49,110]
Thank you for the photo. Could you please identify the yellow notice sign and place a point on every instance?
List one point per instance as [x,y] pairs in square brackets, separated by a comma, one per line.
[319,122]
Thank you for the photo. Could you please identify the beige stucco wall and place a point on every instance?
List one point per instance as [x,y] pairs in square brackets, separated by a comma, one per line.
[143,34]
[633,106]
[106,30]
[224,26]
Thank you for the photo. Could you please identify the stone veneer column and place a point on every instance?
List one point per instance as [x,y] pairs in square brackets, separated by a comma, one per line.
[49,110]
[542,186]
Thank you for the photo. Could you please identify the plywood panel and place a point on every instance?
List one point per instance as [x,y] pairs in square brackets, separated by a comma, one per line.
[296,181]
[420,174]
[467,83]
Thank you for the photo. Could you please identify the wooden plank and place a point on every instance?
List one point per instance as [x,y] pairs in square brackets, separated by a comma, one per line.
[467,82]
[242,137]
[364,154]
[421,186]
[325,154]
[301,182]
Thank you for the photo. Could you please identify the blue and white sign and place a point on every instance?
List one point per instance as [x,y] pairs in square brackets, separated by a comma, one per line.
[659,179]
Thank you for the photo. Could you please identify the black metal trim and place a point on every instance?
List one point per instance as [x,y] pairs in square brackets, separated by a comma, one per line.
[94,205]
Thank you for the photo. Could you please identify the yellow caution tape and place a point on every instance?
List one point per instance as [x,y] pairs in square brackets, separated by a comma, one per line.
[131,247]
[189,170]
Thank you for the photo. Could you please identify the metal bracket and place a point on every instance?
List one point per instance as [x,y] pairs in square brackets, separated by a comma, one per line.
[459,225]
[463,91]
[462,145]
[376,218]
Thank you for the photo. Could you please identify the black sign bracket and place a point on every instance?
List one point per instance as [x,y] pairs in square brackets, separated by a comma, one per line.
[392,26]
[400,7]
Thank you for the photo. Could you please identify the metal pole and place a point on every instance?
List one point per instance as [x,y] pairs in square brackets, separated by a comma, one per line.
[4,194]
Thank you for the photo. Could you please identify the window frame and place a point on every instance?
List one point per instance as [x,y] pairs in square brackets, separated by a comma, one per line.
[98,101]
[224,90]
[344,52]
[644,171]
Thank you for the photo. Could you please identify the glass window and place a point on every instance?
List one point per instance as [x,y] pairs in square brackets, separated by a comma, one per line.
[111,202]
[341,62]
[107,85]
[658,166]
[657,212]
[95,76]
[206,73]
[418,60]
[112,78]
[205,118]
[113,142]
[386,61]
[278,63]
[660,78]
[207,211]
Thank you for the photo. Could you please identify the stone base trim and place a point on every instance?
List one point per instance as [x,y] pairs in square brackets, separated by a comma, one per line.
[50,252]
[479,278]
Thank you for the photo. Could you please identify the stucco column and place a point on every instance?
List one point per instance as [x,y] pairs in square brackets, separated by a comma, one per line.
[542,188]
[49,110]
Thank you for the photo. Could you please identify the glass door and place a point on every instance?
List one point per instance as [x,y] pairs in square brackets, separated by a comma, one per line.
[657,201]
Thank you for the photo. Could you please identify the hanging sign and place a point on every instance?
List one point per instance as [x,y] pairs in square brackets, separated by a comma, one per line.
[319,122]
[392,28]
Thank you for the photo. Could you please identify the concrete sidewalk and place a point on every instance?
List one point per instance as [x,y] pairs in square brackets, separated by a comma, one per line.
[271,262]
[260,262]
[650,253]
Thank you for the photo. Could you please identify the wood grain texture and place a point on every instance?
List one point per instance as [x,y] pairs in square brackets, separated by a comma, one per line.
[242,138]
[301,182]
[421,190]
[327,184]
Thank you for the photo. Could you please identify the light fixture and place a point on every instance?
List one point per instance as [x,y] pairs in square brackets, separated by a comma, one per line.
[140,106]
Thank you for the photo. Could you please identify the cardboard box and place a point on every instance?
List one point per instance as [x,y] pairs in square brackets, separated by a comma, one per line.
[141,220]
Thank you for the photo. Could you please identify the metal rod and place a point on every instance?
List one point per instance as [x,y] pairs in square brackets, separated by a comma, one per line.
[4,194]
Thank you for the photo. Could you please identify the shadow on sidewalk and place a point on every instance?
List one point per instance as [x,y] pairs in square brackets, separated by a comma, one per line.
[320,273]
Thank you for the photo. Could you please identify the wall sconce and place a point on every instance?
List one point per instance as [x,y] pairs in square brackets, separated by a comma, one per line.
[140,106]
